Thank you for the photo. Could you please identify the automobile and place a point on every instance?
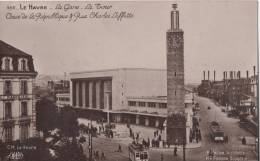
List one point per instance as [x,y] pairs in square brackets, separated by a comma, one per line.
[209,107]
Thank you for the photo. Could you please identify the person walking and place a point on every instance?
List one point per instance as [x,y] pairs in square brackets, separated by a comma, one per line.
[119,148]
[175,151]
[161,157]
[103,156]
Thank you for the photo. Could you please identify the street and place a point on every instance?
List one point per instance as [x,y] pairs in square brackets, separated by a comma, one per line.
[230,126]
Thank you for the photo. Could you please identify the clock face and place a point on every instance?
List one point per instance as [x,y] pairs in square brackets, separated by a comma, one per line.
[174,41]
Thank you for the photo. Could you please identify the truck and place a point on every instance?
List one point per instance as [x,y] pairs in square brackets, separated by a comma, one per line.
[216,132]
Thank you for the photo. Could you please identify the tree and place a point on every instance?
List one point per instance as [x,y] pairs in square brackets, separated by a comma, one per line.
[46,115]
[68,122]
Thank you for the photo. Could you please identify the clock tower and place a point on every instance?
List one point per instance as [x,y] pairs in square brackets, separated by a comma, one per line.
[175,65]
[176,119]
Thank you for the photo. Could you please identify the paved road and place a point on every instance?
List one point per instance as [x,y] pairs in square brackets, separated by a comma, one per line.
[230,126]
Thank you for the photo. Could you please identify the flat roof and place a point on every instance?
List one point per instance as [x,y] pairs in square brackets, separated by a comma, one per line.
[117,69]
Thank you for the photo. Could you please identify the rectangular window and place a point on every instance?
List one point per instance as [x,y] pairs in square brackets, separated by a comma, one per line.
[24,87]
[8,134]
[132,103]
[8,110]
[24,111]
[151,104]
[8,87]
[162,105]
[141,104]
[24,132]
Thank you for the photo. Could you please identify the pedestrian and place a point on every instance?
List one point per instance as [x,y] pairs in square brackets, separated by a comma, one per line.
[119,148]
[244,141]
[175,151]
[102,156]
[97,155]
[148,142]
[161,157]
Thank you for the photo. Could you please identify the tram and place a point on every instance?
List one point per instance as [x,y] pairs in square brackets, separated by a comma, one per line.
[216,132]
[137,152]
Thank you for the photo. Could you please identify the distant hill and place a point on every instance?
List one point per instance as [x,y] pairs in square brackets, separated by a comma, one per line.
[192,85]
[42,79]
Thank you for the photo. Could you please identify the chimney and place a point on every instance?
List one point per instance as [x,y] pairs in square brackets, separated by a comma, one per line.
[214,75]
[247,74]
[254,71]
[208,74]
[204,75]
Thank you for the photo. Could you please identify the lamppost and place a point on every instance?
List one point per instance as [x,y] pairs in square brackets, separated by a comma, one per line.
[90,138]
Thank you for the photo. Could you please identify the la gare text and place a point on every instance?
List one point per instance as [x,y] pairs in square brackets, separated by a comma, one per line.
[60,6]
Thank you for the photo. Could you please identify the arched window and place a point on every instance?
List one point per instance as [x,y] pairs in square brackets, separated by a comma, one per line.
[7,64]
[22,64]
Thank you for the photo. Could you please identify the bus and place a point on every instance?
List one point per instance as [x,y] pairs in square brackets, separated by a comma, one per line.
[137,152]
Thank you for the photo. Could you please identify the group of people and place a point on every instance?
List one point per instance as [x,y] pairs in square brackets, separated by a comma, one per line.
[96,155]
[195,134]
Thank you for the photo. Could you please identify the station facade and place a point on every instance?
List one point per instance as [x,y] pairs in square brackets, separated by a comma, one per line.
[126,95]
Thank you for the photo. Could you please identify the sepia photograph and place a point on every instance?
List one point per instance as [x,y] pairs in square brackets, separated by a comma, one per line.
[129,80]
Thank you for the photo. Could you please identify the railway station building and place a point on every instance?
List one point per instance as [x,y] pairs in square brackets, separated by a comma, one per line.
[126,95]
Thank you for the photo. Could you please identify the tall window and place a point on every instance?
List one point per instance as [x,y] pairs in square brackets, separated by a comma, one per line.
[7,88]
[24,87]
[24,111]
[8,134]
[24,132]
[8,110]
[7,64]
[23,65]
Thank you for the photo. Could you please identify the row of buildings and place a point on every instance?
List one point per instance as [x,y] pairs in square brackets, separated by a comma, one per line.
[233,91]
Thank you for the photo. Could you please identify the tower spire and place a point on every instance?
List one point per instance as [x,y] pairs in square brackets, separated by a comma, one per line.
[174,17]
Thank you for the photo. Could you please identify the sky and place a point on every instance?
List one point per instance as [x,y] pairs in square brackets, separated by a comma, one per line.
[218,35]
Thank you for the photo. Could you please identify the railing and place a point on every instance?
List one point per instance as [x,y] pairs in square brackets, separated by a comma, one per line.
[15,97]
[20,118]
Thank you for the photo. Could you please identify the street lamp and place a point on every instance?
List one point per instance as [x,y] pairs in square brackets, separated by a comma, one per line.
[90,138]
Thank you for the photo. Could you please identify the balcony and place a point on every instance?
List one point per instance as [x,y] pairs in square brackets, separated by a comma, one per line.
[8,121]
[15,97]
[7,97]
[24,119]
